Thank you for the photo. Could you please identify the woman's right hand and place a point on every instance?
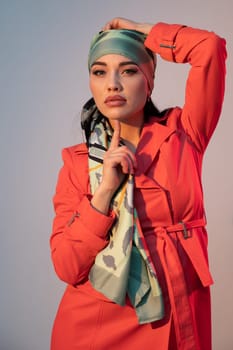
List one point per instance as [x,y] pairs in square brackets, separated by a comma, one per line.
[124,23]
[119,161]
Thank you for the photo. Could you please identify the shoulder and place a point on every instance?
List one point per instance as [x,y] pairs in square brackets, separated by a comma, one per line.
[75,159]
[72,152]
[173,117]
[169,117]
[76,149]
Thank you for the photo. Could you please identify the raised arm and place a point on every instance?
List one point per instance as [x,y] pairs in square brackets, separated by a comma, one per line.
[82,221]
[206,53]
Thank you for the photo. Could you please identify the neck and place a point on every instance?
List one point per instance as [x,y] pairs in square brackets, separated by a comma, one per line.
[130,135]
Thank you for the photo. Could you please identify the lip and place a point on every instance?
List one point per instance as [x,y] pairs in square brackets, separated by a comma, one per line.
[116,100]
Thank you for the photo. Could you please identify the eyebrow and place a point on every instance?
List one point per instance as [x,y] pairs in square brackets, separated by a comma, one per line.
[121,64]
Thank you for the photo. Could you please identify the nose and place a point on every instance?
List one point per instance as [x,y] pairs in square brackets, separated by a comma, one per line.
[113,83]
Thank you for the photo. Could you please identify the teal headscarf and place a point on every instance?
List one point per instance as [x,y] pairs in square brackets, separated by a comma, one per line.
[129,43]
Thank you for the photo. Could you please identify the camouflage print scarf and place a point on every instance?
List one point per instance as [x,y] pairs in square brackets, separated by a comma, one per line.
[124,267]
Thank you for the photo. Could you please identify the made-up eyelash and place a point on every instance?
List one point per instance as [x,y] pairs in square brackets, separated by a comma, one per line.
[99,72]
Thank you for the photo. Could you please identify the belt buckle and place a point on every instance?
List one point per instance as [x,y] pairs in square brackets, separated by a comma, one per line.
[186,234]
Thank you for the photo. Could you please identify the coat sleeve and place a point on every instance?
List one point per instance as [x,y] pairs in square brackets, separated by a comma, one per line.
[79,231]
[206,53]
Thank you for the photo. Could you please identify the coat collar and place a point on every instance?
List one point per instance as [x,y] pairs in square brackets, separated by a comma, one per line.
[153,135]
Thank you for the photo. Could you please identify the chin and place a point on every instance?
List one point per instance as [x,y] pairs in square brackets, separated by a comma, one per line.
[116,115]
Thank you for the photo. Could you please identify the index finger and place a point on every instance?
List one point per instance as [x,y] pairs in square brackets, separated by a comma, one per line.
[116,134]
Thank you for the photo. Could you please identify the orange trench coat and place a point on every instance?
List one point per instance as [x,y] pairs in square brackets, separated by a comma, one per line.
[169,200]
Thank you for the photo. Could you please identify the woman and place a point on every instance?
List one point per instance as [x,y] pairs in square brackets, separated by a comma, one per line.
[129,234]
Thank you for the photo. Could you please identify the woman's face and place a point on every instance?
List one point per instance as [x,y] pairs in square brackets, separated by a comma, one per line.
[119,88]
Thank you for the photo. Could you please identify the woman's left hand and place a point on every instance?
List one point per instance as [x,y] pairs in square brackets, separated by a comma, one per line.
[123,23]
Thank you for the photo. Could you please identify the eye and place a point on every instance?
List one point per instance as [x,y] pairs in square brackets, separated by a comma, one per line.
[130,71]
[98,72]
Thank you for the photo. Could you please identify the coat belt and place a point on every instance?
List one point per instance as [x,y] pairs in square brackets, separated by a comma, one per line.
[174,274]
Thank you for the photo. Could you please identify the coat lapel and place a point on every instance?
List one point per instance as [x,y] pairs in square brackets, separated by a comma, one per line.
[152,137]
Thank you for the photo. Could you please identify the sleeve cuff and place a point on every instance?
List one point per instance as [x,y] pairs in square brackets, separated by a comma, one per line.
[94,221]
[161,39]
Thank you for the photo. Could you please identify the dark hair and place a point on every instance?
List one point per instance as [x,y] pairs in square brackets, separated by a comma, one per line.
[150,110]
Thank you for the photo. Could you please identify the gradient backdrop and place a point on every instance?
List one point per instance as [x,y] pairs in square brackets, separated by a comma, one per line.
[43,84]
